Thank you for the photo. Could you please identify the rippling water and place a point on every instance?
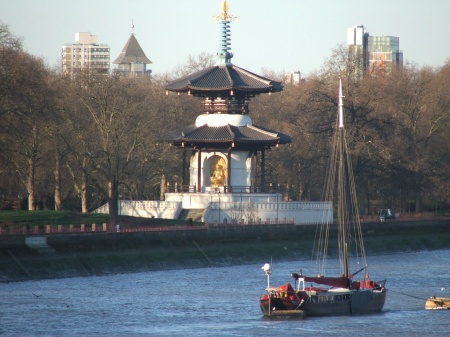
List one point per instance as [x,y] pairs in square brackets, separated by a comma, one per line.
[219,302]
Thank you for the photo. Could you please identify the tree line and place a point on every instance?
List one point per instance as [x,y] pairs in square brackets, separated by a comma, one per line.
[397,124]
[77,143]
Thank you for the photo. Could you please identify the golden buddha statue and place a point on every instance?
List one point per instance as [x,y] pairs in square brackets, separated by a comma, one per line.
[218,177]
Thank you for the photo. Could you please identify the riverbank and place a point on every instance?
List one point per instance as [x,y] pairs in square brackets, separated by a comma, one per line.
[87,254]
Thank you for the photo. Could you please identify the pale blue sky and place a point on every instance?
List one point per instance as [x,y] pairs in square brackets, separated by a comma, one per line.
[279,35]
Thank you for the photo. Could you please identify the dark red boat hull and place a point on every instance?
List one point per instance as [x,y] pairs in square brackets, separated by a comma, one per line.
[328,304]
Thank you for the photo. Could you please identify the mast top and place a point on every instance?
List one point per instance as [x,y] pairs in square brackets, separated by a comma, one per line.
[340,108]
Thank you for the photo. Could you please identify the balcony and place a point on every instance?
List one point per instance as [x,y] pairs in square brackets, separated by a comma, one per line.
[225,107]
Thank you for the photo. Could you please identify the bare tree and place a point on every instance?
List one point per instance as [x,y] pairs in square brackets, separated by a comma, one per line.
[113,107]
[194,63]
[8,40]
[25,108]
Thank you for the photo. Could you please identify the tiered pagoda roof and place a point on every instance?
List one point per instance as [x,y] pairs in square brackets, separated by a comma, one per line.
[223,81]
[226,136]
[226,89]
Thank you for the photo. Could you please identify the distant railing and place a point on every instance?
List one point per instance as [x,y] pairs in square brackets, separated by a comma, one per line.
[58,229]
[225,107]
[102,229]
[92,229]
[268,188]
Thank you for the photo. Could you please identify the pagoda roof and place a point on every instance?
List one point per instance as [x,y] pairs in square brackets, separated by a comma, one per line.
[219,79]
[220,136]
[132,53]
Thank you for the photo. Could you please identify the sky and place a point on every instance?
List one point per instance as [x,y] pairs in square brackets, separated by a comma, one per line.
[278,35]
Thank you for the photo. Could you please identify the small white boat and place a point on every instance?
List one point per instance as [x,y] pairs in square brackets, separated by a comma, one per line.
[437,303]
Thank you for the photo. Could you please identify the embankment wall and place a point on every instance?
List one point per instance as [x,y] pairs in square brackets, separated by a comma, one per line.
[85,254]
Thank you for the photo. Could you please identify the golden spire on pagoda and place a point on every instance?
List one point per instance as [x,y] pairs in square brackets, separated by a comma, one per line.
[224,15]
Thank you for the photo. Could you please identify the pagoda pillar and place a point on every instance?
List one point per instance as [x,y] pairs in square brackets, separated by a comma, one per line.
[255,171]
[199,170]
[183,170]
[229,170]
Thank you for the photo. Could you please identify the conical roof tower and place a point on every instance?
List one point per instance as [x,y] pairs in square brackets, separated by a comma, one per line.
[132,59]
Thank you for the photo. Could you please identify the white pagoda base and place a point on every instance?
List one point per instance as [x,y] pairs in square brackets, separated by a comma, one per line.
[230,208]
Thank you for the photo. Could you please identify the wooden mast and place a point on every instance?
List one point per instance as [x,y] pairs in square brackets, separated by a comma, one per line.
[342,188]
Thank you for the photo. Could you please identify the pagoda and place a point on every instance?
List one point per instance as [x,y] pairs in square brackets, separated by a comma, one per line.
[224,153]
[227,150]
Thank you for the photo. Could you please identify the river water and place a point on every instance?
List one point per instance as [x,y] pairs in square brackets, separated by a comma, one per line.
[219,301]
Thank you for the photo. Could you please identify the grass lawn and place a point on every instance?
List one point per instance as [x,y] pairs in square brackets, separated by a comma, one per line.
[17,219]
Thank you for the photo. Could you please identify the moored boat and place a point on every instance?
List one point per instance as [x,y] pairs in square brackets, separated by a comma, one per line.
[325,297]
[345,294]
[437,303]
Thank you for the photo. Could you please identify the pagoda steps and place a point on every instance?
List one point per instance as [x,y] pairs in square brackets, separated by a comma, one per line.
[194,214]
